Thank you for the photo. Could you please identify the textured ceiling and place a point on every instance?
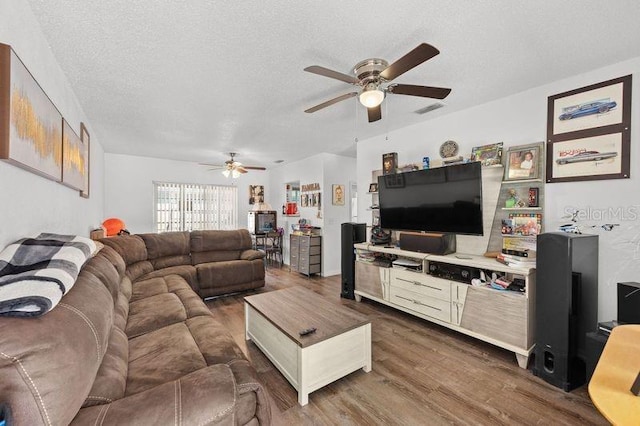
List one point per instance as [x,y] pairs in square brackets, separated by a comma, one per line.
[191,80]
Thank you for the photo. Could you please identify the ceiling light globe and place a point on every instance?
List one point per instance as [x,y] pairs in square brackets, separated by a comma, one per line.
[235,174]
[371,97]
[225,173]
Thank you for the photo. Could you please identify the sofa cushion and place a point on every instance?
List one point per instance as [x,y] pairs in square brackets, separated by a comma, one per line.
[130,247]
[219,274]
[152,313]
[188,272]
[168,249]
[239,239]
[164,355]
[112,375]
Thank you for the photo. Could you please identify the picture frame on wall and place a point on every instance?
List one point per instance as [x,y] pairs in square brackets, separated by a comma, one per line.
[523,162]
[338,195]
[30,124]
[86,141]
[73,158]
[373,187]
[589,132]
[256,194]
[599,105]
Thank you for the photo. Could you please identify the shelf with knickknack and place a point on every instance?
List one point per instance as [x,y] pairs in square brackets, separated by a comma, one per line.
[519,214]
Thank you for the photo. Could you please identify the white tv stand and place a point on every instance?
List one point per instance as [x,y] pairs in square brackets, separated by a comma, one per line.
[503,318]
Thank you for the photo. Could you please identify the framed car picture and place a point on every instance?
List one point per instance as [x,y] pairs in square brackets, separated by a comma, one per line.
[589,132]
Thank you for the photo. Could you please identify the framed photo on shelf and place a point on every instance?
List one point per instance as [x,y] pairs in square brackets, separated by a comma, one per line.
[488,155]
[523,162]
[589,132]
[373,187]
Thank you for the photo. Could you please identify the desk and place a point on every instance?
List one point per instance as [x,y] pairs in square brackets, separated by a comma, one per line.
[271,244]
[616,371]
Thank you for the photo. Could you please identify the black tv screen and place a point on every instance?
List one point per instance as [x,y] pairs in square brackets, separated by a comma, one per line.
[445,199]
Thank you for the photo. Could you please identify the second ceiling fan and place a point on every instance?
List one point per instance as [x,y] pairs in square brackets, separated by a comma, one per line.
[372,75]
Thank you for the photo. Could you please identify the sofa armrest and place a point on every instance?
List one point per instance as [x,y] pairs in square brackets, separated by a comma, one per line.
[206,396]
[251,255]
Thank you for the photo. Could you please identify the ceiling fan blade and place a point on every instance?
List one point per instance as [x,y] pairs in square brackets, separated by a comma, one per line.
[326,72]
[423,91]
[420,54]
[254,168]
[374,113]
[240,169]
[331,102]
[212,165]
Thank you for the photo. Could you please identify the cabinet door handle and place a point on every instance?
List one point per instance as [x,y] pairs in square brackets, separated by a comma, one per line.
[419,284]
[417,302]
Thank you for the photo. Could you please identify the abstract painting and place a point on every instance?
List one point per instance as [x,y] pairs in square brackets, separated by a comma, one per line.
[30,124]
[74,157]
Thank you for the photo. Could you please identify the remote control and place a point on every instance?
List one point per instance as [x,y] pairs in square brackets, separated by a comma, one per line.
[307,331]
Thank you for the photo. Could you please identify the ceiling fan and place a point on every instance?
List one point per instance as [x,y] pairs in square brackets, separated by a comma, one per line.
[373,75]
[232,167]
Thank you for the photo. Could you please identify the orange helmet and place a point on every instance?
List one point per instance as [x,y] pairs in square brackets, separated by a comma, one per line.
[112,226]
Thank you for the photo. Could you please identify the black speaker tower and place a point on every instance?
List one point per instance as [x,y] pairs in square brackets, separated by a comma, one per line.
[566,306]
[352,233]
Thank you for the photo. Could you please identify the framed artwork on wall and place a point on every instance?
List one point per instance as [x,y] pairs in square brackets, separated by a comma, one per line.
[30,124]
[256,194]
[589,132]
[86,142]
[523,162]
[338,195]
[73,158]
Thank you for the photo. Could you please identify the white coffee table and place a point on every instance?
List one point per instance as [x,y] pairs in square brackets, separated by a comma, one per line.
[341,344]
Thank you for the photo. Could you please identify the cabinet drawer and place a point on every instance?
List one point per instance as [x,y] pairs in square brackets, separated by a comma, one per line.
[313,250]
[309,269]
[429,306]
[422,284]
[310,260]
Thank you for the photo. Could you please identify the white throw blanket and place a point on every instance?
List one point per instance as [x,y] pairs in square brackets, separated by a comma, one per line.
[36,272]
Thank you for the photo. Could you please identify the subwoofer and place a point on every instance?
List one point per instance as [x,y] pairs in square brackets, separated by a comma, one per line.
[566,306]
[351,233]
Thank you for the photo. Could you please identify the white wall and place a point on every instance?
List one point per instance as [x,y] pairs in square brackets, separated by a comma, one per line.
[325,169]
[32,204]
[521,119]
[129,187]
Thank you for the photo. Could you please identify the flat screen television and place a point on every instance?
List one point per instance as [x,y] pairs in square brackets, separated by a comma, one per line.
[445,199]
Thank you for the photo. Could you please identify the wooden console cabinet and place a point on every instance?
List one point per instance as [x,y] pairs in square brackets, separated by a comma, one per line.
[503,318]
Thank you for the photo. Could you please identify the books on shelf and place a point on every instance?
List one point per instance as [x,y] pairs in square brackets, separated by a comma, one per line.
[523,247]
[516,261]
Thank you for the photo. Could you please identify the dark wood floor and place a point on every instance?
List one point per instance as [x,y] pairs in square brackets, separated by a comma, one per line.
[423,374]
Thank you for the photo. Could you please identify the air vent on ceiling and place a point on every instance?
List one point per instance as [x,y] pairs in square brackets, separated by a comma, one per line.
[429,108]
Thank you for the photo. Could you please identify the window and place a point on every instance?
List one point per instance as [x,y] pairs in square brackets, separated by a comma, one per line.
[190,207]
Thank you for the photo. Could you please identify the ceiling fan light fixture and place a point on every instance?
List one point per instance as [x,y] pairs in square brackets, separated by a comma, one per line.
[226,173]
[371,96]
[235,173]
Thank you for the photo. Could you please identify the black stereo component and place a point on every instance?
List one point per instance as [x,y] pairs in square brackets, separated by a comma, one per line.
[566,306]
[463,274]
[352,233]
[434,243]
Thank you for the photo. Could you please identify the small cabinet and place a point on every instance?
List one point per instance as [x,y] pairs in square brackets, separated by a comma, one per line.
[305,253]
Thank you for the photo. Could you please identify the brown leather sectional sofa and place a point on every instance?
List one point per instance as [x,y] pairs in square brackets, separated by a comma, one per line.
[132,343]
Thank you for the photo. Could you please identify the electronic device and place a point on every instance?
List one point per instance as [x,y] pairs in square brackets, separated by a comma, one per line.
[351,234]
[307,331]
[566,306]
[379,236]
[410,264]
[433,243]
[262,221]
[629,302]
[444,199]
[447,271]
